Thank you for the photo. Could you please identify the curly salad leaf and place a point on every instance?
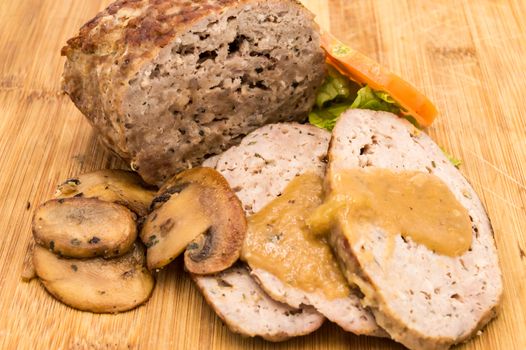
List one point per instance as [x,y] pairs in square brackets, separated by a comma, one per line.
[455,161]
[375,100]
[338,93]
[335,87]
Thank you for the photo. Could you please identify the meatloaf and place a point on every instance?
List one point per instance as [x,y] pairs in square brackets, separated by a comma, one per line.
[259,169]
[423,299]
[168,83]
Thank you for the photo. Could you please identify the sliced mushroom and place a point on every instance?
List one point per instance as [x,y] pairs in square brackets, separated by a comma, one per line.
[219,246]
[96,285]
[170,228]
[197,211]
[111,185]
[84,227]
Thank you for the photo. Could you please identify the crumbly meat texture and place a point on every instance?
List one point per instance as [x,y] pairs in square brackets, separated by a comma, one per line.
[168,83]
[258,170]
[247,309]
[422,299]
[347,313]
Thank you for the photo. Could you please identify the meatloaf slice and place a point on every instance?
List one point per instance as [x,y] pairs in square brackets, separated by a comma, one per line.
[258,170]
[241,303]
[168,83]
[424,300]
[246,309]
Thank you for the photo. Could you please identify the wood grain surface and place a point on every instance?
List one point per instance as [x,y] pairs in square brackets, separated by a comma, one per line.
[469,57]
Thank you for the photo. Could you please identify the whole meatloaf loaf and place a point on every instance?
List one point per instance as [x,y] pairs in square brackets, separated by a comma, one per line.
[168,83]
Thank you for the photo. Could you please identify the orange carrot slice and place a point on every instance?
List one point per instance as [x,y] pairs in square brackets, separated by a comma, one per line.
[365,70]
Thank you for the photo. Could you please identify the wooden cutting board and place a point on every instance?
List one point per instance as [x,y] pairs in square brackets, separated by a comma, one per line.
[469,57]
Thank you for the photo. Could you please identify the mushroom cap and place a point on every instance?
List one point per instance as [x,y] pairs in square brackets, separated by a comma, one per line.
[84,227]
[97,285]
[213,240]
[110,185]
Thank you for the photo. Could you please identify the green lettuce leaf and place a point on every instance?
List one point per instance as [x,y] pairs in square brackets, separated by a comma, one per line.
[335,87]
[326,118]
[375,100]
[455,161]
[338,93]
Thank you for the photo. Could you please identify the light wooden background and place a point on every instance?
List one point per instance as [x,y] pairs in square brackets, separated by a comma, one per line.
[469,57]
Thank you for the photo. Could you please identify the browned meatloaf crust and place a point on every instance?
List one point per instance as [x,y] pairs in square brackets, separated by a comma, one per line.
[168,83]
